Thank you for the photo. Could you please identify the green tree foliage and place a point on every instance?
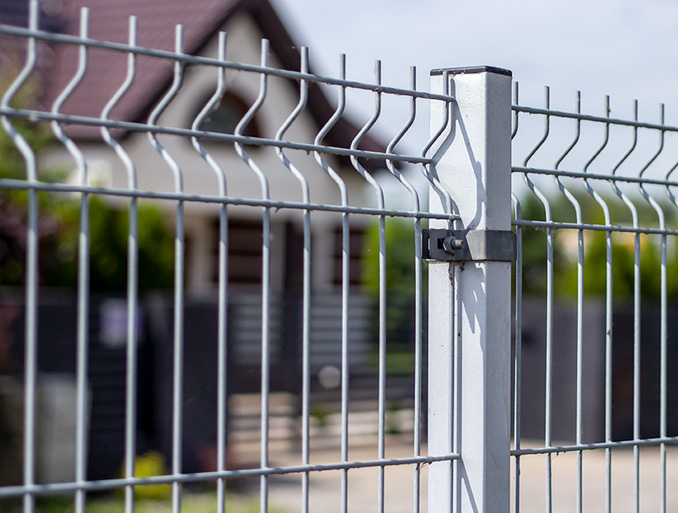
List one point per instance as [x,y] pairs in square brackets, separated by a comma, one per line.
[400,288]
[14,203]
[595,251]
[623,267]
[59,222]
[400,275]
[535,250]
[108,248]
[400,255]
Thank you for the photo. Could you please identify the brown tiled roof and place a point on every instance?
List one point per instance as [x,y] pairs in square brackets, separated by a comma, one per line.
[109,21]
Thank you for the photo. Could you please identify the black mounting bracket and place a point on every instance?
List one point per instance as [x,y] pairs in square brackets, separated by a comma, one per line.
[469,245]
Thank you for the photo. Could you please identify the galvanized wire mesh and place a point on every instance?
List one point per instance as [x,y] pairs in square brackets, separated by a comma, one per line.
[595,216]
[574,238]
[310,167]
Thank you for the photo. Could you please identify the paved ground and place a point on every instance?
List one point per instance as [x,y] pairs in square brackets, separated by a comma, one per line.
[594,478]
[324,494]
[325,487]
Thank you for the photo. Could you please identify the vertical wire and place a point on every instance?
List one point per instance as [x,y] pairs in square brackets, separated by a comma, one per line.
[31,363]
[418,330]
[663,371]
[636,324]
[664,356]
[265,275]
[518,337]
[178,336]
[518,353]
[636,369]
[663,313]
[454,300]
[663,379]
[345,370]
[549,362]
[31,323]
[222,354]
[83,314]
[132,276]
[636,311]
[456,312]
[178,355]
[580,306]
[447,206]
[417,287]
[222,308]
[579,364]
[608,299]
[306,343]
[178,371]
[549,307]
[608,307]
[83,272]
[418,310]
[306,272]
[345,276]
[434,183]
[132,298]
[222,343]
[608,368]
[382,282]
[382,330]
[345,290]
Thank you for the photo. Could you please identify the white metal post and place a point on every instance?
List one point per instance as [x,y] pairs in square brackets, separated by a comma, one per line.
[469,302]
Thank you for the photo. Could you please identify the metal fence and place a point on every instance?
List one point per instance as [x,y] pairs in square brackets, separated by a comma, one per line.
[600,189]
[309,167]
[466,234]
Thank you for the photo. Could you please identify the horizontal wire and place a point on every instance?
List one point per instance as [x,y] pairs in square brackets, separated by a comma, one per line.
[592,176]
[598,119]
[600,445]
[592,227]
[190,59]
[10,183]
[36,115]
[109,484]
[12,491]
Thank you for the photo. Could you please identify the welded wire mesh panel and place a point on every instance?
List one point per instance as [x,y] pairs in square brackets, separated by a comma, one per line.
[238,269]
[595,213]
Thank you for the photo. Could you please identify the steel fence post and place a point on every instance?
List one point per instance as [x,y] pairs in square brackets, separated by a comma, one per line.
[469,301]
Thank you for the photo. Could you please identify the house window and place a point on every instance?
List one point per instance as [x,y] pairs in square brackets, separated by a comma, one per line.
[244,251]
[226,116]
[356,255]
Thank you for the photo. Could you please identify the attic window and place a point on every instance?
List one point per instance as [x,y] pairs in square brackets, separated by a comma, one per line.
[227,115]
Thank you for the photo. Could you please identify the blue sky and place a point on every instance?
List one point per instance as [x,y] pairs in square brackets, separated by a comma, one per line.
[627,49]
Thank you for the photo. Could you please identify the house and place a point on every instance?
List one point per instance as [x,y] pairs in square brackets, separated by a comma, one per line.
[246,22]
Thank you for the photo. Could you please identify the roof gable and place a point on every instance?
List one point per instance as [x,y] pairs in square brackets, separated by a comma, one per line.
[106,69]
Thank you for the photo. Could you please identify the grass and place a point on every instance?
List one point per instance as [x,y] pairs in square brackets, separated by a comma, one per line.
[203,502]
[151,498]
[397,362]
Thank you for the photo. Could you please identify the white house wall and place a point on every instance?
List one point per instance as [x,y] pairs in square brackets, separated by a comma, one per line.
[244,43]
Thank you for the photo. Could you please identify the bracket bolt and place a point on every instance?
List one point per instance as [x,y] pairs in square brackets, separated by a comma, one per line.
[450,244]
